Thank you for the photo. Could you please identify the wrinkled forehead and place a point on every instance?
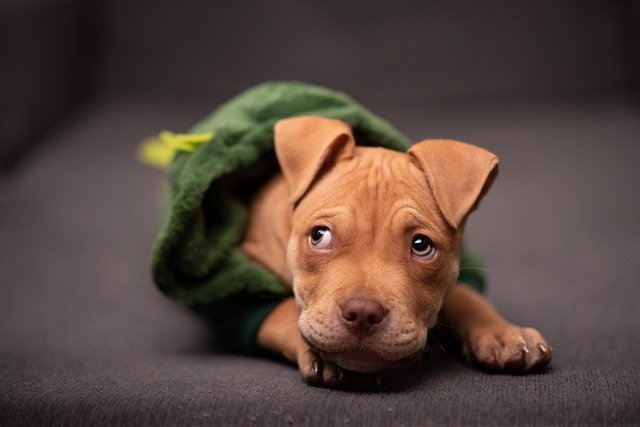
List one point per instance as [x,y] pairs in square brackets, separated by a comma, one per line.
[377,183]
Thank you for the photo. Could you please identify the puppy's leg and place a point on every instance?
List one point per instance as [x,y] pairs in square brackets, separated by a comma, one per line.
[279,334]
[490,340]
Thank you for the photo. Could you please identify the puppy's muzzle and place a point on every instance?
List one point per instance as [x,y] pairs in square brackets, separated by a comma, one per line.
[362,316]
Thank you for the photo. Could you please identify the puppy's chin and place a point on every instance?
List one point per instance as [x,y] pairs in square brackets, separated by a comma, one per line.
[368,361]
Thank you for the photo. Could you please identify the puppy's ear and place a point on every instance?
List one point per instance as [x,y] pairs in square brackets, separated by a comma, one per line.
[458,174]
[306,145]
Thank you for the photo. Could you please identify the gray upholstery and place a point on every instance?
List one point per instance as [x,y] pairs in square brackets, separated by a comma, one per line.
[42,74]
[416,49]
[86,339]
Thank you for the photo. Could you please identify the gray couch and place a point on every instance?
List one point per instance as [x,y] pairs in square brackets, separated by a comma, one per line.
[551,86]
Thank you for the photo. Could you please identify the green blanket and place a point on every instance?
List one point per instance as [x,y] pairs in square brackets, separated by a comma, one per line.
[195,258]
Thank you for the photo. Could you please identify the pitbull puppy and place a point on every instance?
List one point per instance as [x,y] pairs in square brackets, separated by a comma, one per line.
[369,240]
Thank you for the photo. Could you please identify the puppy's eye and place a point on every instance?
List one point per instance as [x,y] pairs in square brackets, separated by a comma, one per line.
[320,237]
[423,247]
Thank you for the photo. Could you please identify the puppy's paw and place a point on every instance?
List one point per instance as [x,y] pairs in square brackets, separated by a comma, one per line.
[323,373]
[310,365]
[507,348]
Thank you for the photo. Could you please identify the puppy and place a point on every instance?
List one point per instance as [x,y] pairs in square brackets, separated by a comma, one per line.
[369,240]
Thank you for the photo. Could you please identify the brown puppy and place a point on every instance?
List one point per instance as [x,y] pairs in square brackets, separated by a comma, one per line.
[369,239]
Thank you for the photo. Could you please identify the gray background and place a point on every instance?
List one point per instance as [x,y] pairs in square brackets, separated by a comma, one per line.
[550,86]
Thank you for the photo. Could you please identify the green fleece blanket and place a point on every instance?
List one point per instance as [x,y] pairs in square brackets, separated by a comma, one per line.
[195,258]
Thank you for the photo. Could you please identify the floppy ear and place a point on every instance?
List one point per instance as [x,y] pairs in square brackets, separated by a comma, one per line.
[458,174]
[307,144]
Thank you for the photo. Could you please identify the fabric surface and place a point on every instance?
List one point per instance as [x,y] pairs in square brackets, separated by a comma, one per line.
[416,50]
[41,76]
[86,338]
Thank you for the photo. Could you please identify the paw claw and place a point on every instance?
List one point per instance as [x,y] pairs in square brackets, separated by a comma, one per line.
[333,375]
[492,359]
[517,362]
[509,348]
[496,355]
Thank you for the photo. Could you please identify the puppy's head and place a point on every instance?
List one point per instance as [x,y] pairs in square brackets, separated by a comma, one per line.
[375,237]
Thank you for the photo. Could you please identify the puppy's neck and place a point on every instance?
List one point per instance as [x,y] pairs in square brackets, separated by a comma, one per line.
[269,228]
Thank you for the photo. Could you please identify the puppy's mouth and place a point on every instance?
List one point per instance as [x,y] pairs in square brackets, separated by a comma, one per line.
[390,347]
[367,360]
[355,357]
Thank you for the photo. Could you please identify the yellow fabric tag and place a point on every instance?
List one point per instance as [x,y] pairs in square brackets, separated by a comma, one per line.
[159,151]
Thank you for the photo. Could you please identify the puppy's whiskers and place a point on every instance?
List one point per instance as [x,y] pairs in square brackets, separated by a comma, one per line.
[283,325]
[446,325]
[435,338]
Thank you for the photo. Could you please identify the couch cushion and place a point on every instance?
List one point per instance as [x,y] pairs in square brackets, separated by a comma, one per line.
[85,338]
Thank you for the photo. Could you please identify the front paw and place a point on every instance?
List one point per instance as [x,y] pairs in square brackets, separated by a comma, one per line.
[508,348]
[323,373]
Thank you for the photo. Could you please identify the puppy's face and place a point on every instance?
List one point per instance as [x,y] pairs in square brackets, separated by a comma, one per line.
[372,252]
[370,231]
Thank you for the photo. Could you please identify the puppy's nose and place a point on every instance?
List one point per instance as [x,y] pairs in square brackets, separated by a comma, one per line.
[361,316]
